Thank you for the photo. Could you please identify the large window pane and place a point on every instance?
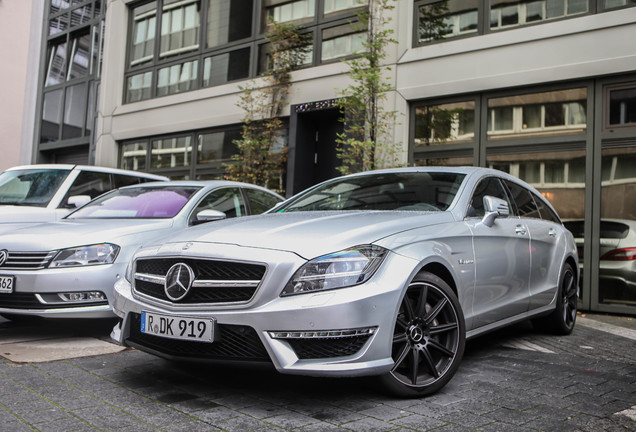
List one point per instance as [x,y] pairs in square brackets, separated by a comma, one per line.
[622,107]
[341,41]
[538,114]
[448,18]
[139,87]
[171,152]
[333,6]
[298,10]
[226,67]
[507,13]
[179,27]
[143,33]
[445,123]
[51,116]
[133,156]
[177,78]
[80,57]
[217,147]
[617,266]
[229,21]
[56,68]
[74,111]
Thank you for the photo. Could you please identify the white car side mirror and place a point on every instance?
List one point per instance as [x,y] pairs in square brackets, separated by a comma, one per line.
[209,216]
[495,208]
[78,200]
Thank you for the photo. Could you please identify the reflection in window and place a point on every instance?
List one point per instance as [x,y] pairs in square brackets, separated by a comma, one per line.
[340,41]
[179,27]
[292,11]
[133,156]
[177,78]
[143,33]
[612,4]
[222,68]
[548,113]
[332,6]
[58,24]
[448,18]
[138,87]
[622,107]
[80,57]
[451,161]
[51,116]
[618,227]
[507,13]
[74,109]
[446,123]
[229,21]
[81,15]
[55,72]
[217,147]
[171,152]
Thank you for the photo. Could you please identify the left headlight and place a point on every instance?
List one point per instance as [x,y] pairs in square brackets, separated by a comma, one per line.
[342,269]
[104,253]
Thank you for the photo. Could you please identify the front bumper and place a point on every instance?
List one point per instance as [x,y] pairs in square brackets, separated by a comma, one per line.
[310,323]
[35,291]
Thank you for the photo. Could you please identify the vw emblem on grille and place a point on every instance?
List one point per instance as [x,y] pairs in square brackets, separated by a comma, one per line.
[4,254]
[178,281]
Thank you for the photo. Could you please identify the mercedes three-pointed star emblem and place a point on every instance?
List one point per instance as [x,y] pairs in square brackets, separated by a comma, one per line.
[4,254]
[178,281]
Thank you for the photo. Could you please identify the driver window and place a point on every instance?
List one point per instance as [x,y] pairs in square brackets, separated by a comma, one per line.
[89,183]
[489,186]
[228,200]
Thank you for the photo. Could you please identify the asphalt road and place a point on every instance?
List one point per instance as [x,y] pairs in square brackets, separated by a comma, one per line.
[512,380]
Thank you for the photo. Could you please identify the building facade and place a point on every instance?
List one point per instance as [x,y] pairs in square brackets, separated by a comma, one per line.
[543,89]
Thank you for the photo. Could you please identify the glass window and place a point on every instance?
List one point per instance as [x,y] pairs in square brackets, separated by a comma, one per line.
[333,6]
[341,41]
[445,123]
[81,15]
[89,183]
[422,159]
[56,69]
[298,10]
[545,211]
[51,116]
[222,68]
[177,78]
[143,33]
[227,200]
[139,87]
[444,19]
[490,186]
[507,13]
[217,147]
[74,111]
[179,27]
[618,227]
[538,114]
[613,4]
[524,203]
[622,107]
[133,156]
[171,152]
[260,201]
[229,21]
[32,187]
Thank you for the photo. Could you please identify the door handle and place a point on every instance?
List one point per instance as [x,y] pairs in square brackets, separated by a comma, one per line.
[521,230]
[552,232]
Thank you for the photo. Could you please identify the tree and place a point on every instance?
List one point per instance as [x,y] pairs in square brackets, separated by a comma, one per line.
[366,141]
[260,158]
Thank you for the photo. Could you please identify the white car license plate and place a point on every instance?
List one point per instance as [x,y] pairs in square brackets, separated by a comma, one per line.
[6,284]
[175,327]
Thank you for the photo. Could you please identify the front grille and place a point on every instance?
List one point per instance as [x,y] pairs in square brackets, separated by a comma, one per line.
[311,348]
[215,281]
[235,342]
[27,260]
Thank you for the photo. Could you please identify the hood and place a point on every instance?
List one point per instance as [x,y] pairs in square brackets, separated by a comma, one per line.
[78,232]
[310,234]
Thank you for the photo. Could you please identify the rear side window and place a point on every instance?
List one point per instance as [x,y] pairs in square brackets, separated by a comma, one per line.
[526,207]
[545,211]
[125,180]
[260,201]
[89,183]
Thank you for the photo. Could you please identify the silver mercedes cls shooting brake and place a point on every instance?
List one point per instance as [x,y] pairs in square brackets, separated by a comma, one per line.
[382,273]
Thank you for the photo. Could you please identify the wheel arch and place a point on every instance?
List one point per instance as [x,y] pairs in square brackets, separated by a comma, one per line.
[442,272]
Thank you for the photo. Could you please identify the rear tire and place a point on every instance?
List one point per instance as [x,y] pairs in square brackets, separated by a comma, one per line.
[561,321]
[428,339]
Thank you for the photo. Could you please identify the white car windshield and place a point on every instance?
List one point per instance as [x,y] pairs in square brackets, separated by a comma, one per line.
[30,187]
[138,203]
[419,191]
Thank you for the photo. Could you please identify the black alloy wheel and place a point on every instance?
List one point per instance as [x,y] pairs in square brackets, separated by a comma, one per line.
[561,321]
[428,339]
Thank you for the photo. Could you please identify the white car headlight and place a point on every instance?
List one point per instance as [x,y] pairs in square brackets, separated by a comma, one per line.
[337,270]
[104,253]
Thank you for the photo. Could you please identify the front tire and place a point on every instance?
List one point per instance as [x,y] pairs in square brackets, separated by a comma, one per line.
[428,339]
[561,321]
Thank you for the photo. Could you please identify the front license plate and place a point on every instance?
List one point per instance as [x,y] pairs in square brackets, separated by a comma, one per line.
[175,327]
[6,284]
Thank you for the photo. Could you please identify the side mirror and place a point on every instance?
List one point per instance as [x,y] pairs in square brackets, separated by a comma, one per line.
[209,216]
[78,200]
[495,208]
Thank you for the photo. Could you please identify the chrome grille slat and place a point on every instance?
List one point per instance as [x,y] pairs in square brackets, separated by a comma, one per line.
[28,260]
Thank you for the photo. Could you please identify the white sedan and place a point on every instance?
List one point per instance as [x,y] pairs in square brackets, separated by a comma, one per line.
[67,269]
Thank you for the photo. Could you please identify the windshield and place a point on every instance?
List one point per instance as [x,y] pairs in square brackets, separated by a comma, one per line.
[137,203]
[411,191]
[30,187]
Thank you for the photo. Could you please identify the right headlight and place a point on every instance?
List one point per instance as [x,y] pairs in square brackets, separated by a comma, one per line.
[342,269]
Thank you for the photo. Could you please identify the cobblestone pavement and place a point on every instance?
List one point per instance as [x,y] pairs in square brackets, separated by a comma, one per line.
[513,380]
